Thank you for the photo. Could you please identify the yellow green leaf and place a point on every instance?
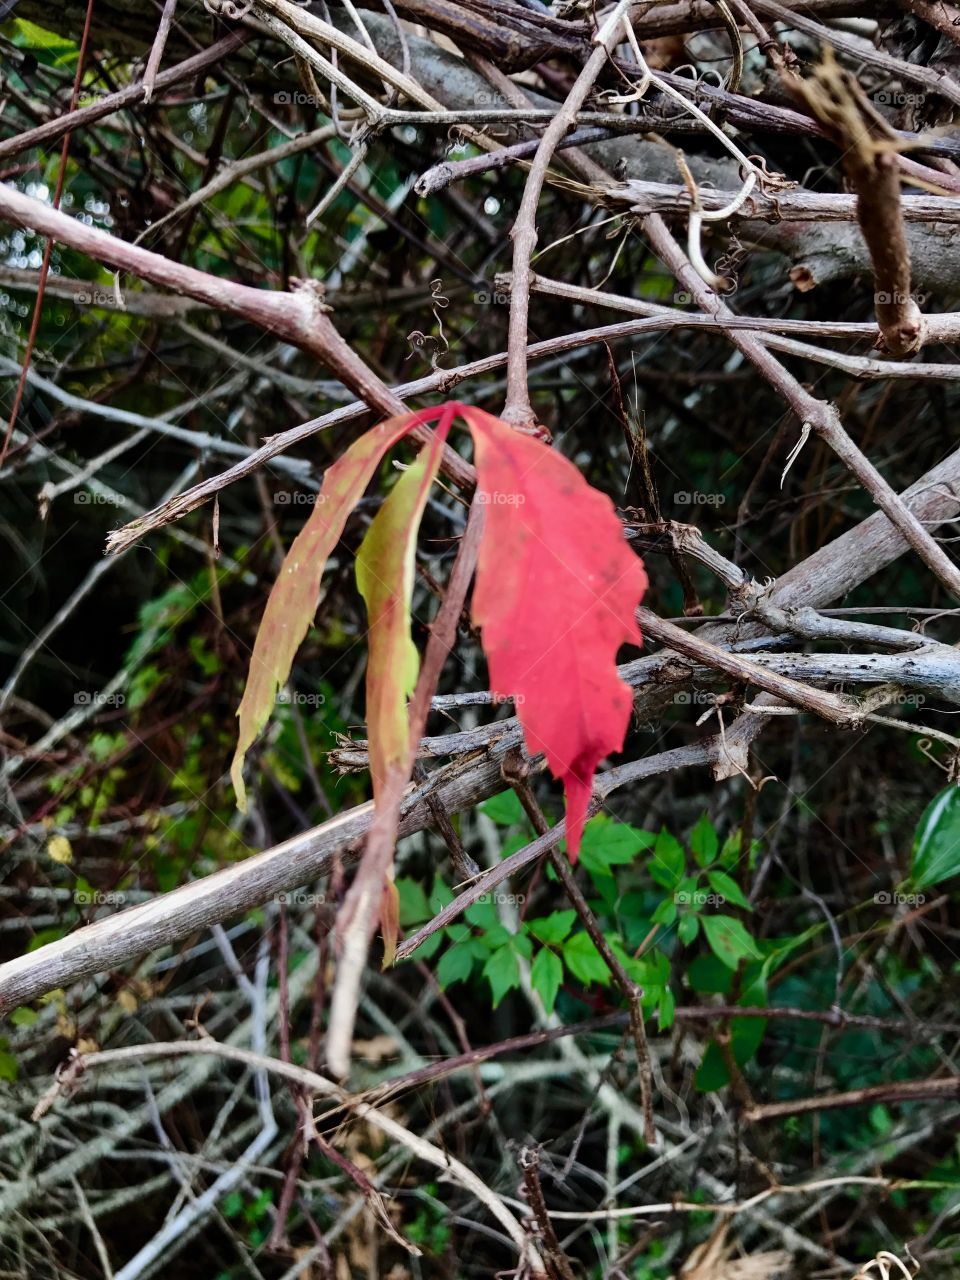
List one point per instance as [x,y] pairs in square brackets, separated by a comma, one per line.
[293,599]
[60,849]
[385,571]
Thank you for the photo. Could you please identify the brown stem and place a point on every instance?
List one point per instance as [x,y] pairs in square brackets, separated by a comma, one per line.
[48,247]
[517,409]
[630,991]
[838,710]
[945,18]
[557,1263]
[822,417]
[905,1091]
[71,121]
[156,50]
[868,147]
[300,317]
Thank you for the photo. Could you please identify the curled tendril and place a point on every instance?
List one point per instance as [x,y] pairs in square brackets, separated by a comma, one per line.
[234,10]
[883,1263]
[770,182]
[434,347]
[925,747]
[697,76]
[440,303]
[729,263]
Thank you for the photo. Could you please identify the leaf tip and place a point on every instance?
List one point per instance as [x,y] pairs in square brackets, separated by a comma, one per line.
[577,790]
[236,777]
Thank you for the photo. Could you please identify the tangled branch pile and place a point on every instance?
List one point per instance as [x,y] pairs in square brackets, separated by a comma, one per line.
[705,250]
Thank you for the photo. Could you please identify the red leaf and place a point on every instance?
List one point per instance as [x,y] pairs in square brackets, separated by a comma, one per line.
[556,591]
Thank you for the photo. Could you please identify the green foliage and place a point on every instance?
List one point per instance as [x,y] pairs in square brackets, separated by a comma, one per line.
[641,884]
[936,846]
[9,1067]
[430,1228]
[253,1214]
[729,940]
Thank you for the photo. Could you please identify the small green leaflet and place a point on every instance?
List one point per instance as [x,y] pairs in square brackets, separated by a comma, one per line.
[414,907]
[554,928]
[504,809]
[584,960]
[669,860]
[729,940]
[936,845]
[728,889]
[688,928]
[455,965]
[703,841]
[746,1035]
[546,974]
[607,844]
[502,972]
